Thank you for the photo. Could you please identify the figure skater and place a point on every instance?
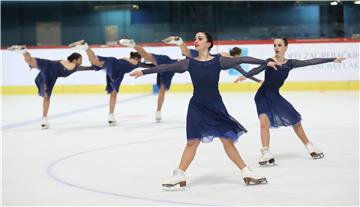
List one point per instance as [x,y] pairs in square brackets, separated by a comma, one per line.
[115,70]
[50,71]
[163,80]
[273,109]
[207,117]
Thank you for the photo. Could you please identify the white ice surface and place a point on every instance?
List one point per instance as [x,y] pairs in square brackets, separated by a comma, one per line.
[82,161]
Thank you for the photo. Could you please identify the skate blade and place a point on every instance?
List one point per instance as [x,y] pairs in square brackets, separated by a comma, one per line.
[74,44]
[316,156]
[16,47]
[168,39]
[181,184]
[112,123]
[253,181]
[175,187]
[44,126]
[269,163]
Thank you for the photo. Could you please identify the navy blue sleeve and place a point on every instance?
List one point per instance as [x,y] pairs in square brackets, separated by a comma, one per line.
[180,67]
[228,62]
[255,71]
[85,68]
[315,61]
[243,72]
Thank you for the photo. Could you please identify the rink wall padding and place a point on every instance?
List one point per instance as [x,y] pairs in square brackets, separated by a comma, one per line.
[17,79]
[224,87]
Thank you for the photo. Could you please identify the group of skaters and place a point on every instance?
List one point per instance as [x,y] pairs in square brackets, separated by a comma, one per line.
[207,117]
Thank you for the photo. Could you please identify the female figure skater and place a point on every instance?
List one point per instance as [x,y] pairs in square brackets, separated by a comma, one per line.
[115,71]
[49,72]
[163,80]
[274,110]
[207,116]
[191,53]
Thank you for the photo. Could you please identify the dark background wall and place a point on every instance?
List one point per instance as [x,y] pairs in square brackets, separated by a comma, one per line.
[155,20]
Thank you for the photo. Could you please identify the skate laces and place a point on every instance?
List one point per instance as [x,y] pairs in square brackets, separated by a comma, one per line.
[264,150]
[311,148]
[247,169]
[177,171]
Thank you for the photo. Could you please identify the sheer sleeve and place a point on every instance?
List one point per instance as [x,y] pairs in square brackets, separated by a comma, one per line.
[85,68]
[146,65]
[315,61]
[243,72]
[255,71]
[180,67]
[228,62]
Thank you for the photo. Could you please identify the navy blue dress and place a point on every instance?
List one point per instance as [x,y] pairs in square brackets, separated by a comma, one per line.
[165,77]
[115,70]
[195,53]
[207,117]
[50,71]
[268,99]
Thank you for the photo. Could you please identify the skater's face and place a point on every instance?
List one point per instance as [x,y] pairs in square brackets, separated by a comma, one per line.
[201,42]
[279,47]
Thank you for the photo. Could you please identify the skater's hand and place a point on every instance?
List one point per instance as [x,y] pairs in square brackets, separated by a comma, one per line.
[273,64]
[339,59]
[241,78]
[137,73]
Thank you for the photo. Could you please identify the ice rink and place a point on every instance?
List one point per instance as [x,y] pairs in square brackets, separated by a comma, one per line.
[82,161]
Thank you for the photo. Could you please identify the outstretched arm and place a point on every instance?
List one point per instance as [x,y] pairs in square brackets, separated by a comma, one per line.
[243,72]
[251,73]
[255,71]
[315,61]
[85,68]
[180,67]
[228,62]
[146,65]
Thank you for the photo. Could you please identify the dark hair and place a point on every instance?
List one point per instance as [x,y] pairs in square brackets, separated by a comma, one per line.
[209,39]
[74,56]
[283,39]
[135,55]
[235,51]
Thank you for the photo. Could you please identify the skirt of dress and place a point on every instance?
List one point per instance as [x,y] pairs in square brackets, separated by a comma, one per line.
[164,78]
[209,120]
[279,111]
[46,79]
